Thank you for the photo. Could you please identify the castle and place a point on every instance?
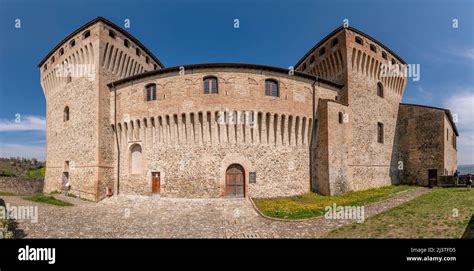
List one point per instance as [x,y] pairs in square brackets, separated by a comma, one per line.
[118,121]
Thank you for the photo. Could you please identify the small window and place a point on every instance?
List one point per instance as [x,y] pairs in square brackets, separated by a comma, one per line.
[304,67]
[334,42]
[380,89]
[155,66]
[393,61]
[322,51]
[138,52]
[210,85]
[126,43]
[373,48]
[151,92]
[66,113]
[52,59]
[341,117]
[380,132]
[271,88]
[147,59]
[311,60]
[384,55]
[61,51]
[87,34]
[72,43]
[359,40]
[45,67]
[112,34]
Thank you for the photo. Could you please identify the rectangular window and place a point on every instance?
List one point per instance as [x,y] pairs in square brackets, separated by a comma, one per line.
[380,132]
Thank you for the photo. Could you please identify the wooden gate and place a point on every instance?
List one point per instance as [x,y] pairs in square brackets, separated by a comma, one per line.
[155,183]
[235,181]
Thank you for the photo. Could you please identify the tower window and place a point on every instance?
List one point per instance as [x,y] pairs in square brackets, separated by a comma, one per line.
[359,40]
[380,89]
[138,52]
[112,34]
[150,92]
[380,132]
[72,43]
[66,113]
[341,117]
[384,55]
[303,67]
[334,42]
[52,59]
[126,43]
[45,67]
[311,60]
[271,88]
[155,66]
[87,34]
[393,61]
[147,59]
[210,85]
[61,51]
[373,48]
[322,51]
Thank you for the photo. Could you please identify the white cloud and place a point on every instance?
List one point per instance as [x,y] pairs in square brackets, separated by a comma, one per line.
[23,123]
[25,151]
[462,106]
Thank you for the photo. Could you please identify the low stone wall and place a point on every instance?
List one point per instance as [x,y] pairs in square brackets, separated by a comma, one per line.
[20,185]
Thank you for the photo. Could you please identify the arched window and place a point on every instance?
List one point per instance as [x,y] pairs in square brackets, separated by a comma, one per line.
[155,66]
[322,51]
[271,88]
[359,40]
[135,159]
[147,59]
[138,52]
[311,60]
[151,92]
[126,43]
[380,89]
[72,43]
[87,34]
[210,85]
[373,48]
[66,113]
[384,55]
[112,34]
[334,42]
[304,67]
[61,51]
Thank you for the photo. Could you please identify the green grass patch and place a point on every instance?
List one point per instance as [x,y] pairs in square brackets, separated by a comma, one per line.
[37,173]
[48,199]
[6,194]
[440,213]
[312,204]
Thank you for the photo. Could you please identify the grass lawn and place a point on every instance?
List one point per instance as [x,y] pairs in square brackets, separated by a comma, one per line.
[48,199]
[6,194]
[432,215]
[312,204]
[37,173]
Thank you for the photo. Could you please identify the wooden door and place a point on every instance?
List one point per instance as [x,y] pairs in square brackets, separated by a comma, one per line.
[235,182]
[155,183]
[432,177]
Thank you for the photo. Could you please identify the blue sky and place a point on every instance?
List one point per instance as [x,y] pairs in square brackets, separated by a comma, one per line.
[273,33]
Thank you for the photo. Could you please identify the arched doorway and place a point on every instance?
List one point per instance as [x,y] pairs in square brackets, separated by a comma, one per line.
[235,181]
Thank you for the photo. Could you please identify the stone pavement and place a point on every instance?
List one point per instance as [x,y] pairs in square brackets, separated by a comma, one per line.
[128,216]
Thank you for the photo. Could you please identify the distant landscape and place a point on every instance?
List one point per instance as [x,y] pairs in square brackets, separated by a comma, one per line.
[466,169]
[22,167]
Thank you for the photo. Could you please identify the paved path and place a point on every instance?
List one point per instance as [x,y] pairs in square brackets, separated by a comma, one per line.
[153,217]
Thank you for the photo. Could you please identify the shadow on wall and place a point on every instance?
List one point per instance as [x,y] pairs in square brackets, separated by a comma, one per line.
[397,164]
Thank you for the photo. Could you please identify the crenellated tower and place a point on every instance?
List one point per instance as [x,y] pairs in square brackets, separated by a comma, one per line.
[74,77]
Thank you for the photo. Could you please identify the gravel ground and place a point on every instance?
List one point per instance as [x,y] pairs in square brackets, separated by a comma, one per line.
[129,216]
